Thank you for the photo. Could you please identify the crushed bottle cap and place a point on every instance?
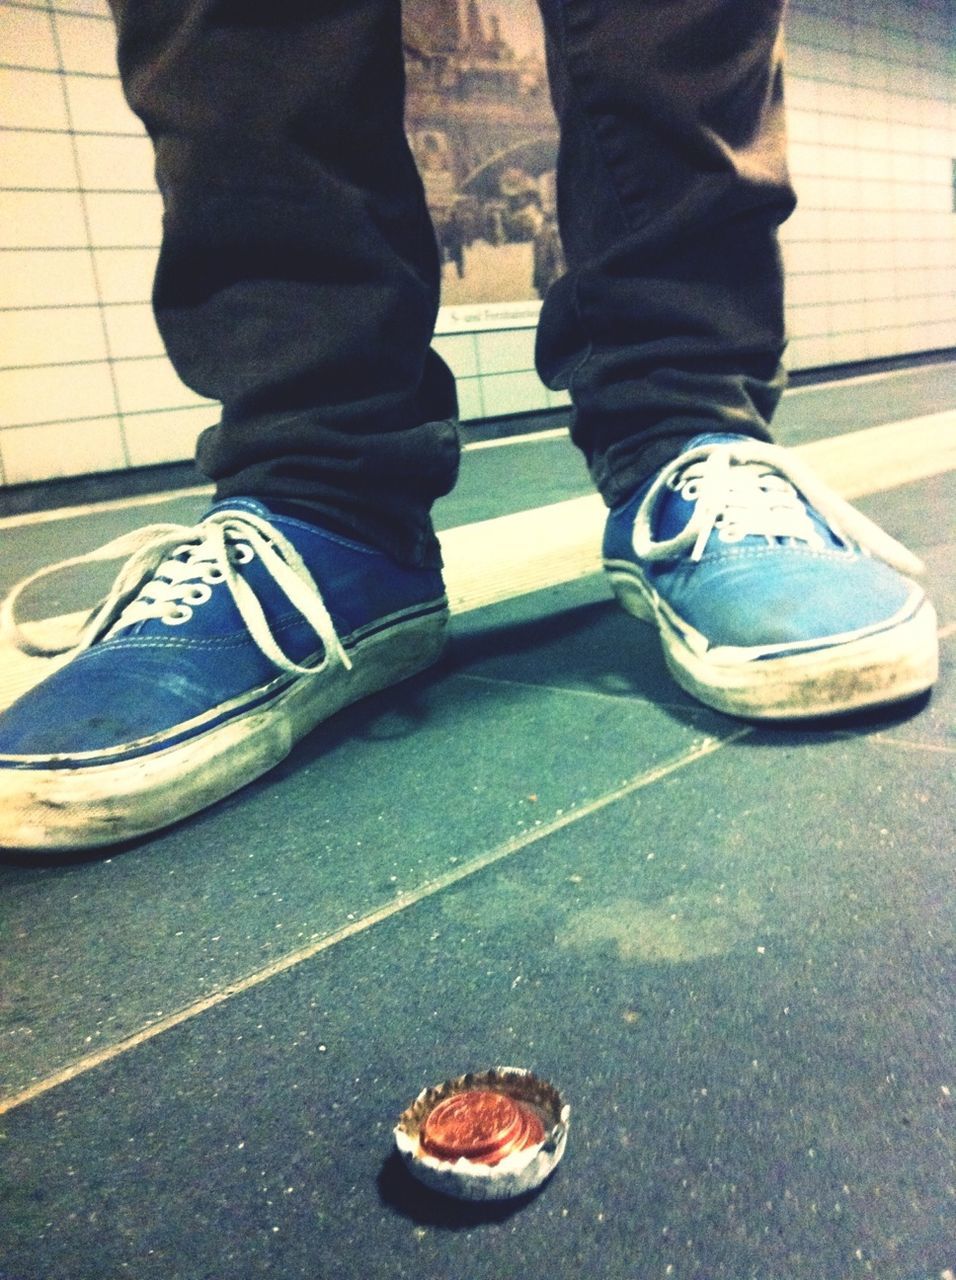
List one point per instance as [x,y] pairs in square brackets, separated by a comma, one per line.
[486,1135]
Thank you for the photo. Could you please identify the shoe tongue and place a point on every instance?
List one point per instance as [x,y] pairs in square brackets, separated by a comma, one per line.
[671,514]
[673,510]
[716,437]
[154,625]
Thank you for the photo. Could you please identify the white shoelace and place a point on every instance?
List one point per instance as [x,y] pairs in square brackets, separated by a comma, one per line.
[750,488]
[171,569]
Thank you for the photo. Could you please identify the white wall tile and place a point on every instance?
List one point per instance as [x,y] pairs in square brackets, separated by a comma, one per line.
[800,256]
[87,44]
[803,126]
[470,402]
[115,164]
[506,393]
[804,94]
[874,166]
[506,352]
[805,322]
[131,331]
[874,134]
[935,197]
[31,100]
[151,383]
[51,336]
[847,347]
[806,224]
[154,438]
[842,259]
[844,287]
[809,353]
[26,38]
[882,314]
[48,279]
[804,158]
[881,343]
[98,106]
[460,353]
[41,219]
[37,160]
[55,395]
[118,219]
[61,449]
[848,317]
[944,333]
[125,275]
[808,290]
[95,7]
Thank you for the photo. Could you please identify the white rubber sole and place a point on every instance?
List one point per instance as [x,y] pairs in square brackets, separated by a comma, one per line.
[87,807]
[881,668]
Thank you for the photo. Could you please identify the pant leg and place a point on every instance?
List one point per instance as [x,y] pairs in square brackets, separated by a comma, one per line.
[298,277]
[672,182]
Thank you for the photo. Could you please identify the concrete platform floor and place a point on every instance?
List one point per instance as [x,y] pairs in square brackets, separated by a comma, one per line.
[732,947]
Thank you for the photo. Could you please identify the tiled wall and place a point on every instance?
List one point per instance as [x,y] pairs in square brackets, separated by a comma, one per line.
[495,373]
[84,384]
[871,250]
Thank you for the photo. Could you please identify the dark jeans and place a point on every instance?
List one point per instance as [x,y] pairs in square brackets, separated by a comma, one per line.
[298,278]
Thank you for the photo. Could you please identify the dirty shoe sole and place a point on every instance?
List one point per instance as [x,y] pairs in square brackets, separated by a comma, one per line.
[84,806]
[881,667]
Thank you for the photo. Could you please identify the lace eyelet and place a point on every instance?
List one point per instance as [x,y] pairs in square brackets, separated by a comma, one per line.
[213,575]
[176,616]
[242,553]
[198,593]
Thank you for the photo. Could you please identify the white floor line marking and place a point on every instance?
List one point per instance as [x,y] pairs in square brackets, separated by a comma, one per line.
[99,508]
[858,379]
[705,747]
[885,457]
[495,560]
[939,747]
[508,556]
[530,437]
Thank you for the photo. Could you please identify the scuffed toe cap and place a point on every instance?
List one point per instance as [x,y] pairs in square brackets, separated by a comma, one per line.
[778,596]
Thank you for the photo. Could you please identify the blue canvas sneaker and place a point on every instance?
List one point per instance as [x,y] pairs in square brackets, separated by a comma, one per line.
[218,647]
[772,595]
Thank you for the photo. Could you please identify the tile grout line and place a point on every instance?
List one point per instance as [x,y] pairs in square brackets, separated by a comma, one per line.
[628,697]
[705,747]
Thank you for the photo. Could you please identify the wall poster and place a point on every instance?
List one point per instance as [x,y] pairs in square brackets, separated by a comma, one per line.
[481,126]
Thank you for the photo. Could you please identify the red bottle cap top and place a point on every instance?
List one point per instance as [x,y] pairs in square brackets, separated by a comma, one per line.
[485,1135]
[480,1125]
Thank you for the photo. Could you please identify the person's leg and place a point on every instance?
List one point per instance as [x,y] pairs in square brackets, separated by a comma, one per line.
[772,597]
[672,181]
[298,283]
[298,278]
